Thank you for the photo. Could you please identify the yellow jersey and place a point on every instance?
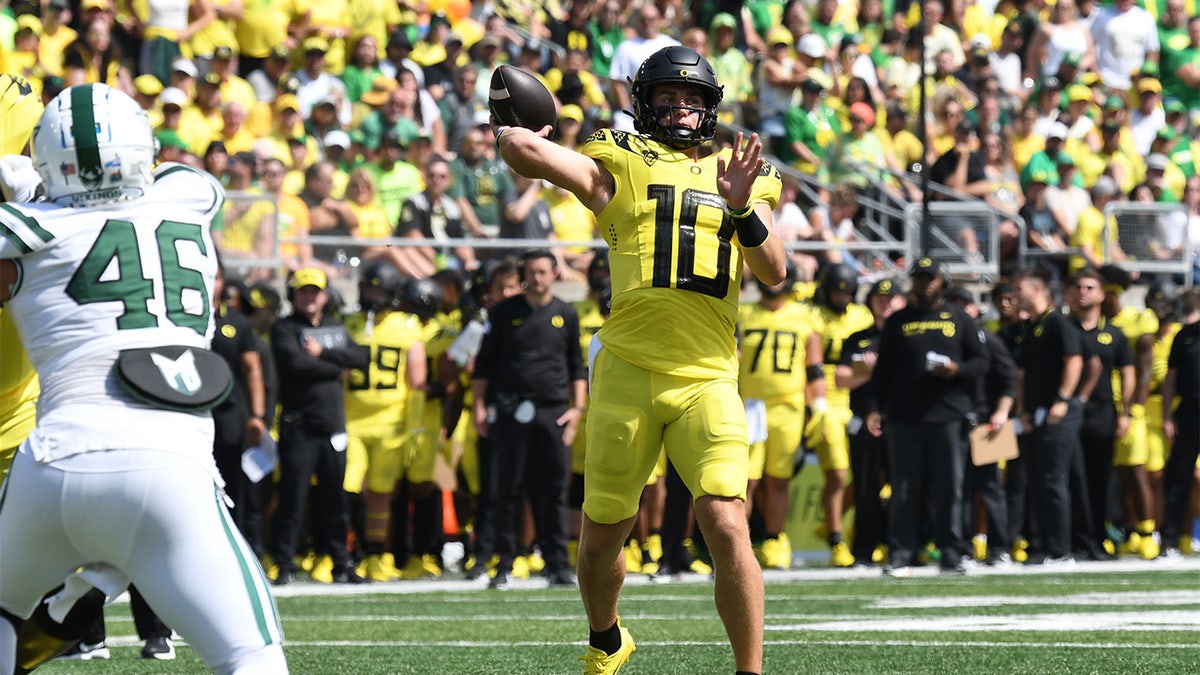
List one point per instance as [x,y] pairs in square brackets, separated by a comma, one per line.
[590,322]
[774,354]
[835,328]
[378,397]
[1135,323]
[1159,353]
[18,387]
[674,257]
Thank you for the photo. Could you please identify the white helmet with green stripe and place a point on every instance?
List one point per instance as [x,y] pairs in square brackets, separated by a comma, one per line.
[94,145]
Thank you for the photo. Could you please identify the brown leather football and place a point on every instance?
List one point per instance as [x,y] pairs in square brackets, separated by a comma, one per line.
[518,98]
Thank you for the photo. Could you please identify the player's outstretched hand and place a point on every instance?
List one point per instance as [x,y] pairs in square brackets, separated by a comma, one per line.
[735,178]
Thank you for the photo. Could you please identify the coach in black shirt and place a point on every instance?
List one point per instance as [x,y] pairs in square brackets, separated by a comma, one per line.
[1183,426]
[1106,350]
[530,389]
[314,355]
[930,356]
[1051,363]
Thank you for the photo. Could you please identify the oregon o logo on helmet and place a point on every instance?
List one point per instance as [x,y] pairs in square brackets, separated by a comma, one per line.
[685,74]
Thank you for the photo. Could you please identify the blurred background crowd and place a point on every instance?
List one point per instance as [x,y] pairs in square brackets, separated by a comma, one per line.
[364,120]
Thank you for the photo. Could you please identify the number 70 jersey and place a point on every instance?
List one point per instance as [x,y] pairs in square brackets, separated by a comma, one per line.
[673,254]
[94,281]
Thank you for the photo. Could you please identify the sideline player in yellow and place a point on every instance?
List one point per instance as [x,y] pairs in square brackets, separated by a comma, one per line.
[1131,451]
[422,298]
[1161,299]
[383,406]
[678,217]
[780,372]
[839,317]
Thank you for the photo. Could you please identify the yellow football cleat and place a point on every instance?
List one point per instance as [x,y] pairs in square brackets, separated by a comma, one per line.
[1109,547]
[840,556]
[979,547]
[429,563]
[1132,544]
[1187,545]
[1020,551]
[322,570]
[1151,544]
[270,567]
[306,562]
[536,562]
[596,662]
[520,567]
[880,554]
[379,567]
[700,567]
[654,546]
[633,558]
[776,554]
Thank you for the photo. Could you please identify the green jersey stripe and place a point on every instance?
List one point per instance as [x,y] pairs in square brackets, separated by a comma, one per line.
[265,616]
[13,237]
[87,139]
[28,221]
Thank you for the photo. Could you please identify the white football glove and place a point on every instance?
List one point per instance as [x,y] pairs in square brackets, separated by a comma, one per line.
[19,181]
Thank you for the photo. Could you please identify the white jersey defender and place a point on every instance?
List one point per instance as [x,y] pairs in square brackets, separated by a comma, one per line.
[121,257]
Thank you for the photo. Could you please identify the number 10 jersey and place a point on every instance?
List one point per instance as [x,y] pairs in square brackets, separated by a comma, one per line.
[676,267]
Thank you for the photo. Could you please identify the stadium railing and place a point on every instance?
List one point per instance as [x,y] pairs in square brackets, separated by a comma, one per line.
[1145,232]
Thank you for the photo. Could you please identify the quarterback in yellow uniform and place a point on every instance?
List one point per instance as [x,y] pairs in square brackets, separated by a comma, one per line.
[780,372]
[839,317]
[678,220]
[382,405]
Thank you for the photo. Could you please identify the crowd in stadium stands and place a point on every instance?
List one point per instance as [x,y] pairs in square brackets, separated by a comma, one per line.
[368,120]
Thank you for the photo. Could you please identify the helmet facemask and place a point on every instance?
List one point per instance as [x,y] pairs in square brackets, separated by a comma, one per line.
[679,66]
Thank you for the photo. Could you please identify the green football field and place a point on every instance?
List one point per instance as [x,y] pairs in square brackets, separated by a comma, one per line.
[1122,617]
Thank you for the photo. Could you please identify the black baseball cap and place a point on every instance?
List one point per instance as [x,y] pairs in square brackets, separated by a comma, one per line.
[884,286]
[927,266]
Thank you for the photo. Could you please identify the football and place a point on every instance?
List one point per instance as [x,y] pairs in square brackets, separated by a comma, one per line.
[519,99]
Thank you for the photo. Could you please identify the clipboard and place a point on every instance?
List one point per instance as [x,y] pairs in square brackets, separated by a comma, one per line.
[987,448]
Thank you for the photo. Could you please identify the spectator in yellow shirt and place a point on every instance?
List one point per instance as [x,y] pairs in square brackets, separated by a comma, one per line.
[202,122]
[56,35]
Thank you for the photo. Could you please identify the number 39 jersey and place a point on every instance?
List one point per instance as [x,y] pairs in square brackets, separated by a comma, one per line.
[94,281]
[667,232]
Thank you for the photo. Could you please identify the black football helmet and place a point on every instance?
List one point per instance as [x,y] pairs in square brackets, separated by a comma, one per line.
[422,297]
[383,275]
[837,277]
[678,65]
[1162,296]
